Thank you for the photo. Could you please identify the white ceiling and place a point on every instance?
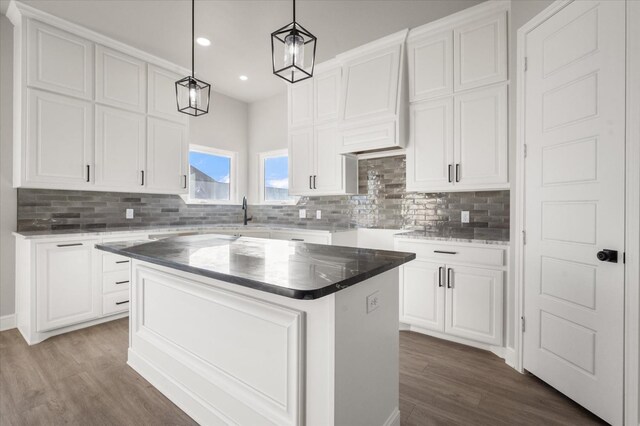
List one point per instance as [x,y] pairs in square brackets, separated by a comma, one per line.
[240,30]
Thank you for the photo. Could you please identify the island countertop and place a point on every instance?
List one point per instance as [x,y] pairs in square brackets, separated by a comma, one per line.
[287,268]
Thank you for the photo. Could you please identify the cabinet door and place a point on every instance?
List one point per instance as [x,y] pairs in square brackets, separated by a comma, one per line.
[301,161]
[370,85]
[121,80]
[329,165]
[301,104]
[326,88]
[430,149]
[68,291]
[422,294]
[480,133]
[59,148]
[59,61]
[167,157]
[430,66]
[120,148]
[161,94]
[480,52]
[474,304]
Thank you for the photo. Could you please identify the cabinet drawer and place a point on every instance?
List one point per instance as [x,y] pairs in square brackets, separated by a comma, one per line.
[114,262]
[115,302]
[454,253]
[115,281]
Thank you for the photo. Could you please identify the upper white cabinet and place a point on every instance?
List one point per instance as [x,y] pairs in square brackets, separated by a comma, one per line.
[162,94]
[301,104]
[430,60]
[121,80]
[59,140]
[326,94]
[120,147]
[480,52]
[371,101]
[59,61]
[81,106]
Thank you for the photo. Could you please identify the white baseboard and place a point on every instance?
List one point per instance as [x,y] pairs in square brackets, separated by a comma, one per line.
[510,357]
[7,322]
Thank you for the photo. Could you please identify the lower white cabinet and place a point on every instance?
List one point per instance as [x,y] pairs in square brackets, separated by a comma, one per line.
[461,297]
[67,288]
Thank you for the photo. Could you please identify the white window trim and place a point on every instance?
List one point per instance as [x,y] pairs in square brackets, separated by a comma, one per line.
[261,157]
[233,176]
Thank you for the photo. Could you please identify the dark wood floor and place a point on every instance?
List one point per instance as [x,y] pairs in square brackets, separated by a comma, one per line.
[81,378]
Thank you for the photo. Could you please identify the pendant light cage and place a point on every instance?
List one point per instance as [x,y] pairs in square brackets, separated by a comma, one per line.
[192,94]
[293,51]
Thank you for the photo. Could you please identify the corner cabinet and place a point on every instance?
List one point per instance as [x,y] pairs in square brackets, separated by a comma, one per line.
[372,101]
[82,104]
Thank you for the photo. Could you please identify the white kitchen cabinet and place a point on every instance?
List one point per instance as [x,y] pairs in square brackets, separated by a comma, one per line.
[59,61]
[372,106]
[120,147]
[301,162]
[326,94]
[422,294]
[430,151]
[300,104]
[474,304]
[59,142]
[161,94]
[430,60]
[167,157]
[454,289]
[480,139]
[121,80]
[480,48]
[68,290]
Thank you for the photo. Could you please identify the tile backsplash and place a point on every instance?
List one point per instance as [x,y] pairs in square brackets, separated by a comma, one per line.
[382,202]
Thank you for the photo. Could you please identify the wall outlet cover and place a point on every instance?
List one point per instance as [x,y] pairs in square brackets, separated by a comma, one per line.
[129,214]
[302,213]
[318,214]
[464,217]
[373,302]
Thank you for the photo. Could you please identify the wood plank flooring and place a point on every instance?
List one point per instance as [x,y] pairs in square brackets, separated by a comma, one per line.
[81,378]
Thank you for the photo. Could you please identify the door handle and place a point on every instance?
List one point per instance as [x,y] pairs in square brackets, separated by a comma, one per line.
[608,255]
[440,276]
[449,281]
[449,172]
[458,172]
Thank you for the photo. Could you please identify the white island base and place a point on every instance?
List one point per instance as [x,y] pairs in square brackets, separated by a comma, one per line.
[228,354]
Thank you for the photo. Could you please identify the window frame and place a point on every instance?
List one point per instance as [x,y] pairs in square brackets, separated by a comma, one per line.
[233,176]
[261,181]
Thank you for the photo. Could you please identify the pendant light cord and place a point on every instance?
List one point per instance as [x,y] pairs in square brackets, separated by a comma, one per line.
[294,11]
[193,37]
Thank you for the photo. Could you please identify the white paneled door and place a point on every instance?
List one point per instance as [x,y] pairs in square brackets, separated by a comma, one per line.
[574,132]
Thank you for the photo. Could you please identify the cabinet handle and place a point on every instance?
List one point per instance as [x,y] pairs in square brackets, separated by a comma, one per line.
[449,282]
[122,261]
[449,172]
[142,174]
[185,181]
[314,181]
[122,303]
[458,172]
[445,252]
[440,276]
[310,177]
[69,245]
[122,282]
[297,239]
[88,172]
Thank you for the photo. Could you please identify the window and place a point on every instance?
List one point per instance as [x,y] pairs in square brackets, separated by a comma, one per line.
[274,178]
[211,176]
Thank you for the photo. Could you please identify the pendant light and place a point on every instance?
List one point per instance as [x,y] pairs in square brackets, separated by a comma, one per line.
[293,51]
[192,94]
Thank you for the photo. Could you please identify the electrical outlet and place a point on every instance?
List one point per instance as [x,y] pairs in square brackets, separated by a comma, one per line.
[373,302]
[129,214]
[318,214]
[302,213]
[464,217]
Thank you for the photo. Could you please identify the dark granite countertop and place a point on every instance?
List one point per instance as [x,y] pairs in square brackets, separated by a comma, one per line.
[287,268]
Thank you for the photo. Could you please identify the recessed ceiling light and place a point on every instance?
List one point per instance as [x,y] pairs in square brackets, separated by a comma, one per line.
[203,41]
[244,78]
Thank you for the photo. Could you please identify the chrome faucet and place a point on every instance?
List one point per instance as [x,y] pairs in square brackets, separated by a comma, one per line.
[244,207]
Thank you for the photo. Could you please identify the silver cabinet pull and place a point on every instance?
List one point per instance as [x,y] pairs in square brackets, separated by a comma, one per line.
[449,281]
[440,276]
[69,245]
[445,252]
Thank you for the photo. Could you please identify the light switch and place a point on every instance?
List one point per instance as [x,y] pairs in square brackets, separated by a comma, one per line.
[464,217]
[302,213]
[129,214]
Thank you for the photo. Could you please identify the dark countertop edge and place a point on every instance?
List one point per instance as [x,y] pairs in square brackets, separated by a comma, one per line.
[261,286]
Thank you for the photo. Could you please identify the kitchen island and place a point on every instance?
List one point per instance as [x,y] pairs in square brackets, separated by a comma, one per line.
[239,330]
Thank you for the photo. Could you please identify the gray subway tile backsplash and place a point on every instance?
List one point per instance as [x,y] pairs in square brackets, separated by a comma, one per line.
[382,202]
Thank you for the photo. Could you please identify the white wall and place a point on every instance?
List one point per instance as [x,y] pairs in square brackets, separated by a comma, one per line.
[267,132]
[8,205]
[225,127]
